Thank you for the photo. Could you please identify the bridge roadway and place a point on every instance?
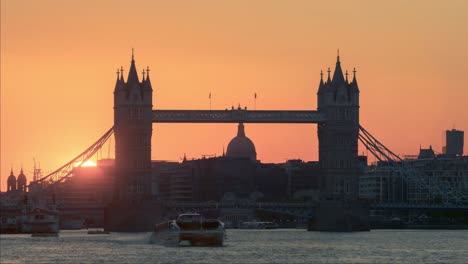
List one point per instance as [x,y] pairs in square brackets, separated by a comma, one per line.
[238,115]
[252,205]
[304,207]
[452,207]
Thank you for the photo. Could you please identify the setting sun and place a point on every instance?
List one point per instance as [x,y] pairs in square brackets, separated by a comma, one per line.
[87,163]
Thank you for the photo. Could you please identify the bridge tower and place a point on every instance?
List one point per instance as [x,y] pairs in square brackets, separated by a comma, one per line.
[338,99]
[133,104]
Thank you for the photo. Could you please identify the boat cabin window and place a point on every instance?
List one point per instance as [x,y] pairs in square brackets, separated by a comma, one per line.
[190,217]
[39,217]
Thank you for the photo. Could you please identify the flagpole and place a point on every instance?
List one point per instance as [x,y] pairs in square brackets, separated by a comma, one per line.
[255,101]
[210,100]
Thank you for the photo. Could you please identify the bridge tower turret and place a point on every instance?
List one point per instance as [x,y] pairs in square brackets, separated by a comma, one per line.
[338,100]
[133,130]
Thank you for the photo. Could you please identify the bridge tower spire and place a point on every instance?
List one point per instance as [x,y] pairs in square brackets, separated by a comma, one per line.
[338,100]
[133,130]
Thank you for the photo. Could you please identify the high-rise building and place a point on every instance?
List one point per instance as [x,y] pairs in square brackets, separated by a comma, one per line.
[87,193]
[454,142]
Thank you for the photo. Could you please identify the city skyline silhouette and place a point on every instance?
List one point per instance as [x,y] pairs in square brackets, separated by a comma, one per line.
[58,73]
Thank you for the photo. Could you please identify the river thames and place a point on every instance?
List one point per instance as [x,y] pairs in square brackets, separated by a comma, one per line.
[244,246]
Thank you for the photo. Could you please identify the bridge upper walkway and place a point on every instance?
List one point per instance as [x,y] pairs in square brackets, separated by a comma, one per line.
[237,115]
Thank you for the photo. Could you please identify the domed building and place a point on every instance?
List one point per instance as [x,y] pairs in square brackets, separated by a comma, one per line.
[21,182]
[241,146]
[11,182]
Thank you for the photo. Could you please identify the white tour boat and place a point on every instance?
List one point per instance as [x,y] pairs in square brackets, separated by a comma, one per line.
[194,228]
[41,222]
[8,225]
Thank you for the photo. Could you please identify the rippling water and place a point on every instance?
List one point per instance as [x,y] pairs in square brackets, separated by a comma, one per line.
[244,246]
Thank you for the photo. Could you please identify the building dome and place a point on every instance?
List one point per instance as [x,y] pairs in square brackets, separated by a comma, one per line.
[11,182]
[21,181]
[241,146]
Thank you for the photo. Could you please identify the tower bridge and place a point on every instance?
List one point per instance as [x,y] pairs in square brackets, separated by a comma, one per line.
[337,119]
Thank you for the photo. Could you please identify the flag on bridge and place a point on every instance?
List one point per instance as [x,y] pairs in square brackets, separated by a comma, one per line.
[209,96]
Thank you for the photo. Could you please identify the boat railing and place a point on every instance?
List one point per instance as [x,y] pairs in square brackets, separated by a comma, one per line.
[199,225]
[165,226]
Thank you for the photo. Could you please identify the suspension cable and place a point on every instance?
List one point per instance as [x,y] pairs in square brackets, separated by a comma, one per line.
[383,154]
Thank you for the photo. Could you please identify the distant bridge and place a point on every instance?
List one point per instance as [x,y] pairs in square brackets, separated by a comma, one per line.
[462,207]
[303,210]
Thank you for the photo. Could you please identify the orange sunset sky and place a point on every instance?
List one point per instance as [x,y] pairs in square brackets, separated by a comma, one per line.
[58,63]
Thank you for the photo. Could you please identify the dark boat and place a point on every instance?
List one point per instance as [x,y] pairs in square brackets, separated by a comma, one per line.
[194,228]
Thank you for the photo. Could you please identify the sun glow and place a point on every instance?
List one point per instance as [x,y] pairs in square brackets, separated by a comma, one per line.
[87,163]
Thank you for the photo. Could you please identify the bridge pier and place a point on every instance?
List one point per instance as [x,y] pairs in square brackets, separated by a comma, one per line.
[340,216]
